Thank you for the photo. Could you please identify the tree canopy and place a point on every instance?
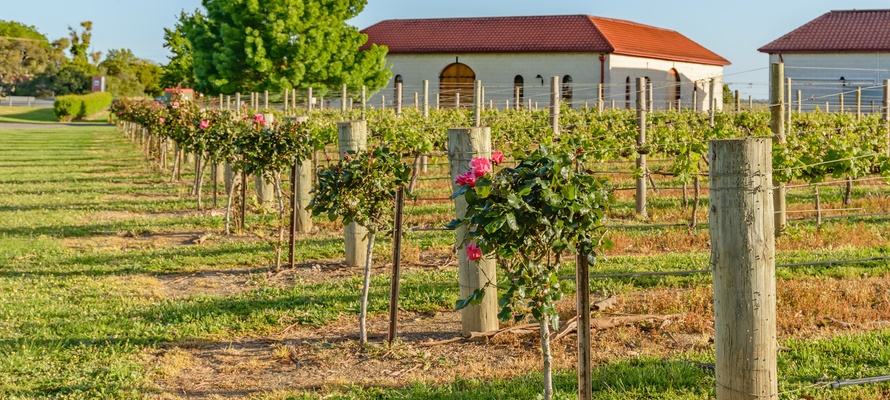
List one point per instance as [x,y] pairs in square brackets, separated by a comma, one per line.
[178,72]
[244,45]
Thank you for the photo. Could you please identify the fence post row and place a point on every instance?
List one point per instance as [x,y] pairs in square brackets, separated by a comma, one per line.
[777,125]
[464,144]
[353,136]
[641,142]
[744,268]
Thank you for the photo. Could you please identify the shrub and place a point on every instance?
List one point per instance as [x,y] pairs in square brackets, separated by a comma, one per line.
[71,107]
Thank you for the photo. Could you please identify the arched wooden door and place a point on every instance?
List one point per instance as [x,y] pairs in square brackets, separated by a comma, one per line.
[456,82]
[674,93]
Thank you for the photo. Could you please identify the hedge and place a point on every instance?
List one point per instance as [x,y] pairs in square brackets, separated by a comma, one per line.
[72,107]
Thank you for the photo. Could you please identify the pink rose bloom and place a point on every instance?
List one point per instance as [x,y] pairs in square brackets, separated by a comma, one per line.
[161,120]
[497,157]
[259,119]
[466,178]
[473,252]
[204,124]
[480,166]
[175,104]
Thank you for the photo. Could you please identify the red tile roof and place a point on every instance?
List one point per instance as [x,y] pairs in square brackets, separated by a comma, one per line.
[837,31]
[537,34]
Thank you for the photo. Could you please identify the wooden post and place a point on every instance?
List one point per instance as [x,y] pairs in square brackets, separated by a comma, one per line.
[293,98]
[744,270]
[343,96]
[238,103]
[364,100]
[777,111]
[799,101]
[554,105]
[582,294]
[416,101]
[885,112]
[309,99]
[353,136]
[738,103]
[477,104]
[302,186]
[841,100]
[285,101]
[265,190]
[464,144]
[789,105]
[437,101]
[695,96]
[650,100]
[426,99]
[382,102]
[712,102]
[221,100]
[641,141]
[396,265]
[600,97]
[750,102]
[398,98]
[516,100]
[858,104]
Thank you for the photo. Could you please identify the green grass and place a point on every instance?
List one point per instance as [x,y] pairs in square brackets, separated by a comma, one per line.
[31,115]
[76,321]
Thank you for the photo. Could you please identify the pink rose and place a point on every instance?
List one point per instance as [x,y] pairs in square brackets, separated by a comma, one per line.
[259,119]
[480,166]
[497,157]
[161,120]
[466,178]
[204,124]
[473,252]
[175,104]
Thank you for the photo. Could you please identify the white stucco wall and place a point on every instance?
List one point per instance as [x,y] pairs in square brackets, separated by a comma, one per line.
[496,71]
[818,77]
[621,67]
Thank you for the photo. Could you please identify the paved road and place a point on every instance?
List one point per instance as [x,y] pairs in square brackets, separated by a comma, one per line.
[23,102]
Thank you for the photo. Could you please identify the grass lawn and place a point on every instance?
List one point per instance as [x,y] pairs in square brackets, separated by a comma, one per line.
[104,295]
[32,115]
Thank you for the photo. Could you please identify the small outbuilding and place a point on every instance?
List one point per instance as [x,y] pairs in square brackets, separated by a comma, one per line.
[835,54]
[510,54]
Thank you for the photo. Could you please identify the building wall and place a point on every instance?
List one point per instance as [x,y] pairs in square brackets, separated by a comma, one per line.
[663,82]
[497,72]
[822,77]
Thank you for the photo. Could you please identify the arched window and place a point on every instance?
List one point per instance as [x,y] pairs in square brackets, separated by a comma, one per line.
[395,87]
[567,90]
[627,93]
[519,84]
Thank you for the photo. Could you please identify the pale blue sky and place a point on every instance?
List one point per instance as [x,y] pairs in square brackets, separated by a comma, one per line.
[733,29]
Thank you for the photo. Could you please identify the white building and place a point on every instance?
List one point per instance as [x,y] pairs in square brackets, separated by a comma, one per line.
[506,53]
[836,53]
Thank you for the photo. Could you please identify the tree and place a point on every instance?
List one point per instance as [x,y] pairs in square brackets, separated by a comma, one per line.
[728,96]
[24,53]
[130,76]
[178,72]
[73,78]
[250,46]
[80,43]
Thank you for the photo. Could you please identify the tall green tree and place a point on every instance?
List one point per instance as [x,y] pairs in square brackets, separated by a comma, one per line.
[24,53]
[80,42]
[178,72]
[244,45]
[130,76]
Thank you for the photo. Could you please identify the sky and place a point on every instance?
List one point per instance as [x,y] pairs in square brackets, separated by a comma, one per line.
[732,29]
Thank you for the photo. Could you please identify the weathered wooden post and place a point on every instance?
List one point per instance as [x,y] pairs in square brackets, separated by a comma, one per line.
[266,100]
[302,186]
[641,143]
[600,98]
[464,144]
[229,102]
[221,99]
[286,108]
[738,103]
[477,104]
[353,136]
[398,98]
[777,125]
[885,112]
[238,103]
[416,101]
[789,105]
[343,97]
[695,96]
[426,99]
[744,270]
[516,99]
[554,105]
[841,101]
[265,190]
[750,102]
[582,299]
[712,102]
[364,100]
[650,100]
[858,104]
[309,99]
[799,101]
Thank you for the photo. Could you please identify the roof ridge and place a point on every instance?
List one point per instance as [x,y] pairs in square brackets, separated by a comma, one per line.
[857,11]
[592,17]
[592,21]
